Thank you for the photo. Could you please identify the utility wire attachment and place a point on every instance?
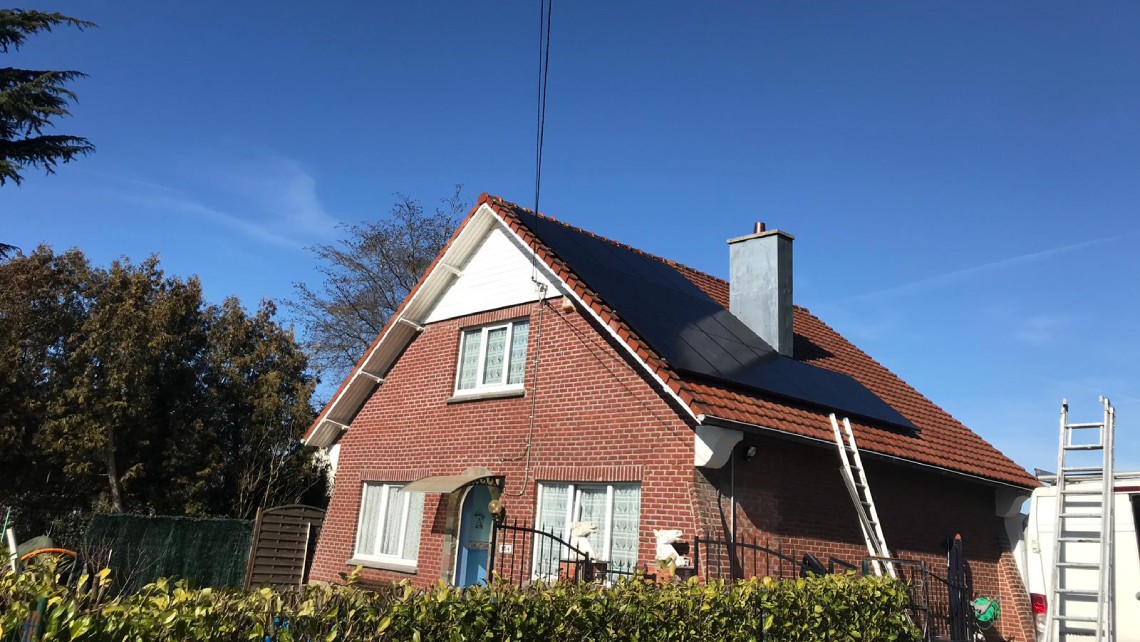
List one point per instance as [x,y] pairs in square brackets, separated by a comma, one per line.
[544,22]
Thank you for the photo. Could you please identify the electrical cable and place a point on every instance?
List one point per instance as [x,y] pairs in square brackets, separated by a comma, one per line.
[544,22]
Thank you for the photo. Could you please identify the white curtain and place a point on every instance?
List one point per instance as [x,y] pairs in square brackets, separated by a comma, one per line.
[496,353]
[412,528]
[591,503]
[370,498]
[591,507]
[551,519]
[469,359]
[517,365]
[390,540]
[626,525]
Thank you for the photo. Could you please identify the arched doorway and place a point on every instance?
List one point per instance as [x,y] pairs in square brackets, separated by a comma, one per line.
[475,525]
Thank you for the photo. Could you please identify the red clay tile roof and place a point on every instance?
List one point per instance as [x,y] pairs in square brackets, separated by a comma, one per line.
[942,440]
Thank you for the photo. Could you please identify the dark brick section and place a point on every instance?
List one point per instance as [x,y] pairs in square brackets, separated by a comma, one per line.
[791,496]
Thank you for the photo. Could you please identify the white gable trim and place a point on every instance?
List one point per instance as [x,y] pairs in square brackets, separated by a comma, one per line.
[497,274]
[369,375]
[568,291]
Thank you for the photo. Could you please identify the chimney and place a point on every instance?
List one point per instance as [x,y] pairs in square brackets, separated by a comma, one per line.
[760,285]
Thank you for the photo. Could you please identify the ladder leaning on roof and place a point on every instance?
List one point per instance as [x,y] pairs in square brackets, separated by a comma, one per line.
[856,481]
[1084,516]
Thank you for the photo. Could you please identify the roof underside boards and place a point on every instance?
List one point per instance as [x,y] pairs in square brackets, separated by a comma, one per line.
[695,334]
[942,441]
[403,327]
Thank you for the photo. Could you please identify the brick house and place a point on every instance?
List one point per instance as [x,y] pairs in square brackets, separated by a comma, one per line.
[539,365]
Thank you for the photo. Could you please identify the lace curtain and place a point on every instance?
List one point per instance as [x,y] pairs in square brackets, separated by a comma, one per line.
[551,519]
[517,366]
[591,504]
[469,360]
[626,525]
[496,355]
[591,507]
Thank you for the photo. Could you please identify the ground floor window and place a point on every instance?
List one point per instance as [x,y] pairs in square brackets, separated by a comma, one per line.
[389,525]
[614,508]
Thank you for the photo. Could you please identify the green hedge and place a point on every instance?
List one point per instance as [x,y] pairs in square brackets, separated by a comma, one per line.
[822,608]
[140,549]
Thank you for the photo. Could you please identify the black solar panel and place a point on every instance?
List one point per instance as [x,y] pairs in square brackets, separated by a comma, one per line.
[695,334]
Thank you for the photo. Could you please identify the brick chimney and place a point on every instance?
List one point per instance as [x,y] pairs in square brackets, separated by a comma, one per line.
[760,285]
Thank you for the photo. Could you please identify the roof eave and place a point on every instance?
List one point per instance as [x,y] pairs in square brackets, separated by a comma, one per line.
[791,436]
[369,372]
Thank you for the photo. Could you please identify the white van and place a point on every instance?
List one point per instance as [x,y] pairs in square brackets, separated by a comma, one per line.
[1037,565]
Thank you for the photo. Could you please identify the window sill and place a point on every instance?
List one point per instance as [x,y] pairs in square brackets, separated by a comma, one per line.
[464,397]
[399,567]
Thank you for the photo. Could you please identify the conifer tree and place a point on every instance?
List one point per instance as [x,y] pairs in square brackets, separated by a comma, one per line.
[122,390]
[30,100]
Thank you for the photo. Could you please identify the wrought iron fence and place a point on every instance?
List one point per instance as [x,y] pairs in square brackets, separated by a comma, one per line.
[949,623]
[929,594]
[836,565]
[522,554]
[740,559]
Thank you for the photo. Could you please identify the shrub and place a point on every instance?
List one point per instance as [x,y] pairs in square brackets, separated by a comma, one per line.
[833,607]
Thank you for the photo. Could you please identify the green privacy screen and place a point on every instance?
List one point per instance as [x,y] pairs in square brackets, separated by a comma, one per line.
[140,549]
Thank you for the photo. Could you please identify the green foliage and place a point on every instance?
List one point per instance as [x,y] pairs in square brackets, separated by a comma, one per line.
[122,390]
[31,99]
[867,609]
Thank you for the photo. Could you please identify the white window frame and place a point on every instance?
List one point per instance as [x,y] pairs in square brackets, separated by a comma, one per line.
[481,387]
[380,518]
[574,510]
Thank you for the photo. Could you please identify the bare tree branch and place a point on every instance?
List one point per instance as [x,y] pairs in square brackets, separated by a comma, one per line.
[365,276]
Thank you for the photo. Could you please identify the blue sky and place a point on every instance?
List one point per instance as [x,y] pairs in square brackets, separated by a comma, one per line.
[962,178]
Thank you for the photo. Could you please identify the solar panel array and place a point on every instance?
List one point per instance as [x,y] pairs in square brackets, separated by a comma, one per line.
[695,334]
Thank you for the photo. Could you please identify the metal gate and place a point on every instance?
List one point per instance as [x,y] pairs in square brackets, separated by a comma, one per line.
[521,553]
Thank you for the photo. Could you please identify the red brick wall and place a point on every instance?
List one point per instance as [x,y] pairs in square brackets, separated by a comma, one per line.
[596,419]
[791,497]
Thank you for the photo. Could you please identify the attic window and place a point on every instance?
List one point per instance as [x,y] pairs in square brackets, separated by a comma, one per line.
[492,357]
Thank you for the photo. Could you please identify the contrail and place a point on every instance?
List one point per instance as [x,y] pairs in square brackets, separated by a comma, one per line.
[949,278]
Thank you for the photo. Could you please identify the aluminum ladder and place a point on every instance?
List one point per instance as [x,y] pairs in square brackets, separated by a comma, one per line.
[860,491]
[1080,603]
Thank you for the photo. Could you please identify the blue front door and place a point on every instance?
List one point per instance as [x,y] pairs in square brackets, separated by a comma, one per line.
[474,537]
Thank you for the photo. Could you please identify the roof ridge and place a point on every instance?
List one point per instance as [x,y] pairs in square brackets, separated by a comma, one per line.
[547,217]
[519,208]
[993,464]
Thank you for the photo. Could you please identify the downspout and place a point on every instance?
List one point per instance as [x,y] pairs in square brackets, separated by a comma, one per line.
[732,499]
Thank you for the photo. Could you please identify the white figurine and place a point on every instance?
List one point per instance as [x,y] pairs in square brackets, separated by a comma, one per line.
[665,540]
[580,533]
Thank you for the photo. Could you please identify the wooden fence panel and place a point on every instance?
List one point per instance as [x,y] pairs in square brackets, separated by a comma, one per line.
[283,541]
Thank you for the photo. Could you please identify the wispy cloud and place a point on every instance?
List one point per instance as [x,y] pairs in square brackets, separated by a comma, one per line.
[958,276]
[280,186]
[270,199]
[255,230]
[1042,329]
